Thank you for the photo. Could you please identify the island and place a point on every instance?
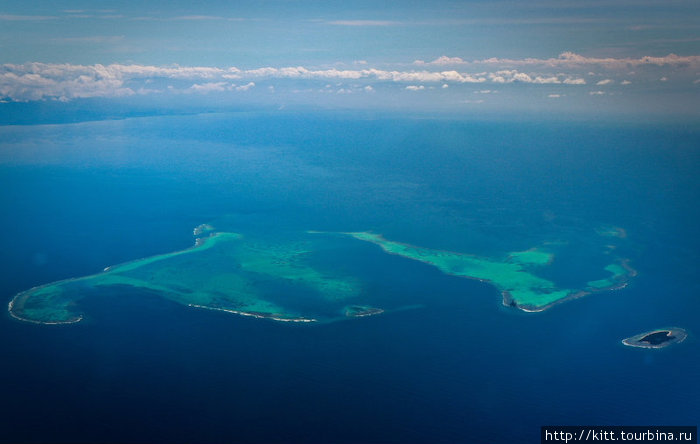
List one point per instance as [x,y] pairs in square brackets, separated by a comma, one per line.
[314,277]
[359,311]
[657,338]
[516,275]
[264,278]
[202,229]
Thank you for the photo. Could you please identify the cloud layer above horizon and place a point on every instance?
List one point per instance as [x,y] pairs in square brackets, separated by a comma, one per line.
[50,81]
[606,55]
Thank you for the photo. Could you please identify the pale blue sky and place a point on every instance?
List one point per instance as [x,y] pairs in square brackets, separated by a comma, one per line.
[282,32]
[568,51]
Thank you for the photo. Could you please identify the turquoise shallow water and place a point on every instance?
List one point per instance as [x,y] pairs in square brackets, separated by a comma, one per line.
[455,366]
[286,276]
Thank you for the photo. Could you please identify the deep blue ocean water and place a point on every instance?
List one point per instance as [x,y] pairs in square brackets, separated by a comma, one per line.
[462,368]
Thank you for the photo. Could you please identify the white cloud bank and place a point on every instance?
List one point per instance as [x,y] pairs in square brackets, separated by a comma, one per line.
[42,81]
[570,59]
[362,23]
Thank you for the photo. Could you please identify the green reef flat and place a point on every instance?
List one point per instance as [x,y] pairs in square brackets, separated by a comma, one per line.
[515,275]
[289,277]
[224,271]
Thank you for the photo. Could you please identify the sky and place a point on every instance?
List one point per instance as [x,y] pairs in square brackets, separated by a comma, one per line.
[609,56]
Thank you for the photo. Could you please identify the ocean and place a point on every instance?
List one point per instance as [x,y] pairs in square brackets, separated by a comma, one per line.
[453,366]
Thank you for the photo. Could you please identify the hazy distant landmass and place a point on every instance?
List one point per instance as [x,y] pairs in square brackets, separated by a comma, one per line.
[657,338]
[280,278]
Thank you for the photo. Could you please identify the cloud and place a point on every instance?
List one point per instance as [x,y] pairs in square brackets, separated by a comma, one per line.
[178,18]
[597,93]
[570,59]
[30,86]
[300,72]
[554,96]
[546,80]
[218,87]
[515,76]
[245,87]
[209,87]
[639,27]
[25,18]
[362,23]
[37,81]
[91,39]
[442,60]
[46,81]
[197,17]
[521,77]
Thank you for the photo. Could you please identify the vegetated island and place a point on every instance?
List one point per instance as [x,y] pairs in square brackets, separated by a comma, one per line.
[278,276]
[657,338]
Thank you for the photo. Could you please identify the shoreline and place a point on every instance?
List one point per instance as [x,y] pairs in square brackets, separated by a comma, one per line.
[11,304]
[508,300]
[675,335]
[361,311]
[257,315]
[616,282]
[199,242]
